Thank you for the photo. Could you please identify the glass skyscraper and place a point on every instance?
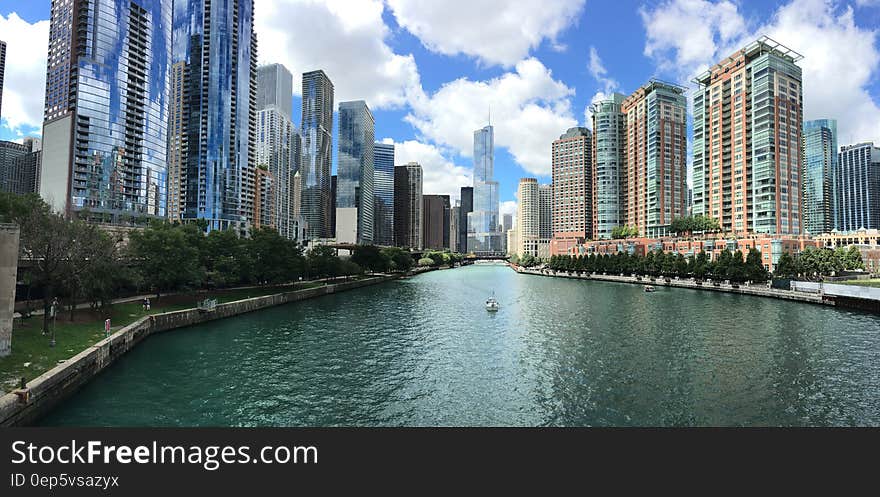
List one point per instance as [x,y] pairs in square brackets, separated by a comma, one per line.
[105,121]
[608,172]
[215,52]
[408,205]
[857,188]
[383,194]
[820,160]
[317,139]
[354,187]
[484,236]
[276,142]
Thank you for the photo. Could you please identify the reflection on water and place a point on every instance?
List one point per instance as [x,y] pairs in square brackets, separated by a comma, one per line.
[425,352]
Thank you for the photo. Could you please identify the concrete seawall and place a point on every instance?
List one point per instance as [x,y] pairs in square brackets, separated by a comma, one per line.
[23,407]
[757,291]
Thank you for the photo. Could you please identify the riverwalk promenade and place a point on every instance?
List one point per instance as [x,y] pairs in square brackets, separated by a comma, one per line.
[757,290]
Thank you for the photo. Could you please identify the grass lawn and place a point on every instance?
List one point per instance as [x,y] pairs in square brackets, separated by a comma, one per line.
[32,356]
[873,282]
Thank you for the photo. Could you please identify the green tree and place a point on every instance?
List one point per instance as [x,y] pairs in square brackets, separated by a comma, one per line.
[165,258]
[401,260]
[755,270]
[853,259]
[322,262]
[371,258]
[786,267]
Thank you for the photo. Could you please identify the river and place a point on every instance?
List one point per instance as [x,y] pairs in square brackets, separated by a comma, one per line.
[424,352]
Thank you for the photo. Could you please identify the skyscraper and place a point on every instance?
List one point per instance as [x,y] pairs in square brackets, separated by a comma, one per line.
[2,70]
[656,157]
[857,188]
[529,229]
[572,203]
[609,159]
[748,122]
[408,205]
[275,89]
[467,206]
[820,161]
[215,67]
[454,216]
[483,234]
[435,222]
[383,194]
[355,170]
[105,121]
[276,142]
[317,156]
[20,166]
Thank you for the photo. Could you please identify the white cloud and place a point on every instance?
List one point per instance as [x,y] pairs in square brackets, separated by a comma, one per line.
[440,176]
[508,207]
[529,110]
[685,36]
[839,61]
[598,71]
[494,32]
[840,58]
[25,77]
[345,39]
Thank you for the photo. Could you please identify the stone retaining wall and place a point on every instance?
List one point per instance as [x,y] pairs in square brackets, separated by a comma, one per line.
[22,407]
[760,291]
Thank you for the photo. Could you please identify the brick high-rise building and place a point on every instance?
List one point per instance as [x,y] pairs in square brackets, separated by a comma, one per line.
[572,189]
[435,222]
[748,123]
[656,157]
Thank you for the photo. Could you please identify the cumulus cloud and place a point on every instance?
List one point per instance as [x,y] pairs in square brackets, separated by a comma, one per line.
[25,77]
[691,35]
[598,71]
[529,110]
[493,33]
[440,176]
[345,39]
[685,36]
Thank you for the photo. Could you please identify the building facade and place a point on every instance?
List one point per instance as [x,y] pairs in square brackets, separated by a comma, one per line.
[383,194]
[484,236]
[264,199]
[819,162]
[656,157]
[467,206]
[276,141]
[435,222]
[215,51]
[20,166]
[748,122]
[572,191]
[317,143]
[408,205]
[609,173]
[857,188]
[533,219]
[106,108]
[355,170]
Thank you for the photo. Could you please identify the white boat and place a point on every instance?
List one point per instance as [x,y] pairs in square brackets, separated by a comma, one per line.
[492,305]
[649,288]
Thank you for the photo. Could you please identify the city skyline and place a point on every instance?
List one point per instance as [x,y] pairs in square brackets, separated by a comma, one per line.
[445,73]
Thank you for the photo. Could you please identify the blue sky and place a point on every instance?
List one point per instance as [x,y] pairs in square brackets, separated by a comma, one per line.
[430,70]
